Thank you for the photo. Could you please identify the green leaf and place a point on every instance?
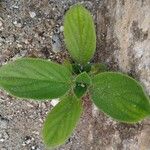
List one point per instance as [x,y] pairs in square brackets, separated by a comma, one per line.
[87,67]
[68,65]
[77,68]
[35,79]
[83,78]
[61,121]
[97,68]
[80,89]
[120,97]
[79,32]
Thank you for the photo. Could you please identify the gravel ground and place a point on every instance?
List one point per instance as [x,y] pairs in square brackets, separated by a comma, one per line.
[35,29]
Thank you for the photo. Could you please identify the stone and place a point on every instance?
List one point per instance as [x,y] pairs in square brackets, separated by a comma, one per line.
[3,122]
[19,25]
[32,14]
[56,43]
[54,102]
[125,26]
[1,23]
[3,136]
[61,28]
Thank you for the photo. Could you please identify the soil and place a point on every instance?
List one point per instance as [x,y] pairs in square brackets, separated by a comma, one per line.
[35,29]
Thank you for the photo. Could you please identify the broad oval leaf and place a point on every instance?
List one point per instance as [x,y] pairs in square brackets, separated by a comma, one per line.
[35,79]
[120,97]
[79,32]
[61,121]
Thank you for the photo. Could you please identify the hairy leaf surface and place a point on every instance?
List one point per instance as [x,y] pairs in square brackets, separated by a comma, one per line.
[35,79]
[61,121]
[79,32]
[120,97]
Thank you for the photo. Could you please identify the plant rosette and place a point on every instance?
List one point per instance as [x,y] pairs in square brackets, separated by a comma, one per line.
[116,94]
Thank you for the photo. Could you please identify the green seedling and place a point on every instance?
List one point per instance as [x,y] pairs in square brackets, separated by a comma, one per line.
[114,93]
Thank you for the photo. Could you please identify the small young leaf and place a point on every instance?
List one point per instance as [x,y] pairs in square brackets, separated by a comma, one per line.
[87,67]
[77,68]
[120,97]
[35,79]
[83,78]
[80,89]
[79,32]
[97,68]
[61,121]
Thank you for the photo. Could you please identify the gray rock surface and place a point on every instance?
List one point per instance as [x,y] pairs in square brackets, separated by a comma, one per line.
[124,32]
[34,29]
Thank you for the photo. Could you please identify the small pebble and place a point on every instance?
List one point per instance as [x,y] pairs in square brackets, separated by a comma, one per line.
[61,29]
[2,140]
[19,45]
[14,6]
[3,148]
[23,53]
[33,147]
[26,41]
[3,123]
[3,136]
[19,25]
[1,23]
[54,102]
[32,14]
[56,43]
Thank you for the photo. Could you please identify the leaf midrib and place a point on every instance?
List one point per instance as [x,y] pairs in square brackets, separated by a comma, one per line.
[63,115]
[44,80]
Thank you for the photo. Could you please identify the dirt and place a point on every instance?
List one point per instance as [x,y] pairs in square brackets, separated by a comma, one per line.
[35,29]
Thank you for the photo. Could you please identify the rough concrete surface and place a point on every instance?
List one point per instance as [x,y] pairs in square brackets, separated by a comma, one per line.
[34,28]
